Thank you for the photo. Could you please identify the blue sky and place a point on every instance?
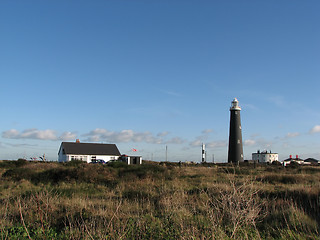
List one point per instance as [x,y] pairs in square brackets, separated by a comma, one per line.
[151,74]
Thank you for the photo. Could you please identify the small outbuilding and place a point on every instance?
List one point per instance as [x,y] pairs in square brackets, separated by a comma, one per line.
[131,160]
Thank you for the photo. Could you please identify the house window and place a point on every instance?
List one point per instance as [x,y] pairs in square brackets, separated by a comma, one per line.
[78,158]
[93,158]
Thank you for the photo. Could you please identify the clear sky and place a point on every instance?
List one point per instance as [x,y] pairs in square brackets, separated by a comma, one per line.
[149,74]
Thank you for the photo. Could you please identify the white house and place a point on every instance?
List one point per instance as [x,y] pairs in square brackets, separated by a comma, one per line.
[265,157]
[87,152]
[308,161]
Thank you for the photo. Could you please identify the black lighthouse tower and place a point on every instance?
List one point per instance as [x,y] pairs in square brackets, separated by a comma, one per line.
[235,153]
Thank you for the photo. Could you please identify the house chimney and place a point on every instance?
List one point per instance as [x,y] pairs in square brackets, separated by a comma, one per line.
[297,156]
[77,140]
[290,156]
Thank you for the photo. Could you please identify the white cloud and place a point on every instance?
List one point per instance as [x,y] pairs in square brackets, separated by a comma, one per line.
[203,137]
[249,106]
[12,133]
[176,140]
[127,135]
[33,133]
[292,134]
[214,144]
[217,144]
[207,131]
[249,142]
[68,136]
[163,134]
[196,143]
[315,129]
[21,145]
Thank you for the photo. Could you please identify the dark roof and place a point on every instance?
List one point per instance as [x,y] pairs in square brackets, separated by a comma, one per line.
[89,148]
[312,160]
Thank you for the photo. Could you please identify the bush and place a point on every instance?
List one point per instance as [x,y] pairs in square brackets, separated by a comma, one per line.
[21,162]
[18,174]
[117,164]
[276,163]
[142,171]
[55,175]
[12,164]
[279,178]
[75,163]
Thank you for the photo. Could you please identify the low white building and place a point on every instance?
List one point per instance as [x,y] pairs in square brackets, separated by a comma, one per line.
[265,157]
[131,160]
[87,152]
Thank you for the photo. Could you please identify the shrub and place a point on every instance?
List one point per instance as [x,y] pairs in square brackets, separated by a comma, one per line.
[55,175]
[142,171]
[18,174]
[117,164]
[19,232]
[236,209]
[12,164]
[75,163]
[87,173]
[21,162]
[279,178]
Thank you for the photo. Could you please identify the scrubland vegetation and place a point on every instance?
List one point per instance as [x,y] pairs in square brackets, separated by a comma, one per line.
[83,201]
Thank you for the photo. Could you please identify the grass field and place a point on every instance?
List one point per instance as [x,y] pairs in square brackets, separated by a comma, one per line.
[89,201]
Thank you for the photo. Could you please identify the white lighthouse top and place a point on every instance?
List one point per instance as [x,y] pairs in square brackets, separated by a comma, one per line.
[235,105]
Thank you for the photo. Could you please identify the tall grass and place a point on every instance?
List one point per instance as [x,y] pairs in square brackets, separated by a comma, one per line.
[84,201]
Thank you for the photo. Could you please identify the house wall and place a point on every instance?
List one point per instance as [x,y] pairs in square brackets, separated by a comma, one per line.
[103,157]
[265,157]
[85,158]
[62,157]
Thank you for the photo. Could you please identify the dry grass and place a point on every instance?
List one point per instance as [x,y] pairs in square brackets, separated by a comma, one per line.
[99,202]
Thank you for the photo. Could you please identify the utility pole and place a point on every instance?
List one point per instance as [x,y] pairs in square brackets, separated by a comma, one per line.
[166,153]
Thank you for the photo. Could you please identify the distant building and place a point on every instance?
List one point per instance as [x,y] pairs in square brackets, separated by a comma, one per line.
[265,157]
[94,152]
[308,161]
[87,152]
[311,161]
